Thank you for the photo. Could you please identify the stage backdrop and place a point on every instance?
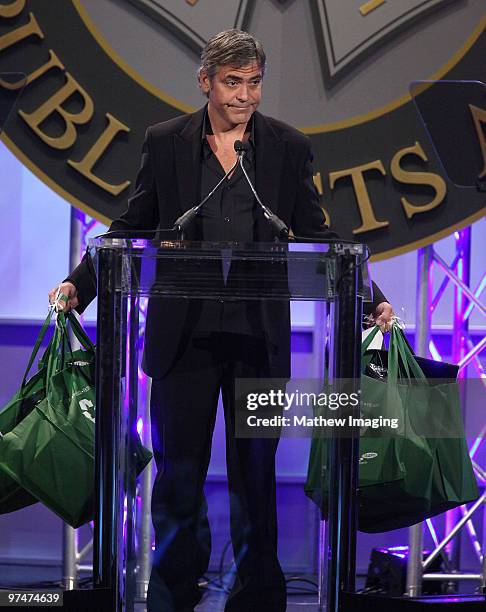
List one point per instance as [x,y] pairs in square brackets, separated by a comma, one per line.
[99,72]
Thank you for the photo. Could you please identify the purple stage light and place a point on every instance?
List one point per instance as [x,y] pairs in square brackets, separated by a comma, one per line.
[433,532]
[460,274]
[125,518]
[474,448]
[477,293]
[434,352]
[387,572]
[471,355]
[473,536]
[395,551]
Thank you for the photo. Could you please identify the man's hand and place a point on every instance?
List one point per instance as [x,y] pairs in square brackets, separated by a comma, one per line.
[382,316]
[64,296]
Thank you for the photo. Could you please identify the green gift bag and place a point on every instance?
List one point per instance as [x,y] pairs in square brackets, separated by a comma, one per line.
[434,410]
[12,495]
[51,451]
[405,475]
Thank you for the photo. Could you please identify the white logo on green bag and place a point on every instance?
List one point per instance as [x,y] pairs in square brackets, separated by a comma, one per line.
[81,391]
[85,404]
[365,456]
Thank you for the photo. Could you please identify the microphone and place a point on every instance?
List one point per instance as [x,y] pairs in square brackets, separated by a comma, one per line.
[280,230]
[182,223]
[241,147]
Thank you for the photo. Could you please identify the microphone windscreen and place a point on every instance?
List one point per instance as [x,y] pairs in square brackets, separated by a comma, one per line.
[241,146]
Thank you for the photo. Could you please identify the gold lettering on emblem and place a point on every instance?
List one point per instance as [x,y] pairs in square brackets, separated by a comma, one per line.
[12,85]
[52,62]
[12,10]
[85,166]
[367,7]
[417,178]
[317,178]
[479,116]
[54,106]
[29,29]
[368,219]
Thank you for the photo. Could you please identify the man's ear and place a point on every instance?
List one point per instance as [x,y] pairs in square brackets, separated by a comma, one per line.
[204,82]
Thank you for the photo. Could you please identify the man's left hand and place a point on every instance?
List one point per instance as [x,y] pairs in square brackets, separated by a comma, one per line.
[382,316]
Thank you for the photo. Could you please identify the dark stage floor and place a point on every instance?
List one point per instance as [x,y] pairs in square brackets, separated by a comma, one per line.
[302,596]
[26,576]
[214,598]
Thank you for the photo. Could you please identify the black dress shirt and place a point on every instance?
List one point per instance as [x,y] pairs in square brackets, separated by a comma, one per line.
[229,215]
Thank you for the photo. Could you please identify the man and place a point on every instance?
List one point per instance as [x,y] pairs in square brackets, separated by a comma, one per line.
[196,348]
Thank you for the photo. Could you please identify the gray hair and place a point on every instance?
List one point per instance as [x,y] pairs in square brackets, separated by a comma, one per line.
[231,47]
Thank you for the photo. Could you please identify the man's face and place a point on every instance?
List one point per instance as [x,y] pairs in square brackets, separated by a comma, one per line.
[234,93]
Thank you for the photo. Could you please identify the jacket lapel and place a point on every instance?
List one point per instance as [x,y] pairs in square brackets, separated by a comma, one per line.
[270,151]
[187,148]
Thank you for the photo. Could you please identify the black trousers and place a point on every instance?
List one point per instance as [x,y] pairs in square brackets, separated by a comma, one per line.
[183,412]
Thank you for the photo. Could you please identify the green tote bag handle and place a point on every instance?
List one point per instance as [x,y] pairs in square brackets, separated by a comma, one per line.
[401,361]
[401,356]
[60,336]
[79,332]
[61,339]
[37,345]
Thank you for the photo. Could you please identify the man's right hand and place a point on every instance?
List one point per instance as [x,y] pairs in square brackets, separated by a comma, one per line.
[64,296]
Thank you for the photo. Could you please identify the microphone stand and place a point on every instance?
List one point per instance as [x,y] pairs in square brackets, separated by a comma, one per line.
[280,230]
[183,222]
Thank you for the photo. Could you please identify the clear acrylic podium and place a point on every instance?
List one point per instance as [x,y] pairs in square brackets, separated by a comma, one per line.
[127,269]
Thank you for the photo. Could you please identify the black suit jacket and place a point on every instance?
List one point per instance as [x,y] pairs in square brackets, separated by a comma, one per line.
[168,183]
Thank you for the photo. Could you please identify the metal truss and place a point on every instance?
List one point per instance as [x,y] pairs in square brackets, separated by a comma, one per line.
[464,353]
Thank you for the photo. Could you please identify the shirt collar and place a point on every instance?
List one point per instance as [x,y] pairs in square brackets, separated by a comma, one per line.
[207,129]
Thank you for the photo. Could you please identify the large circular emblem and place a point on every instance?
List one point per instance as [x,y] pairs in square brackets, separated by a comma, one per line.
[99,72]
